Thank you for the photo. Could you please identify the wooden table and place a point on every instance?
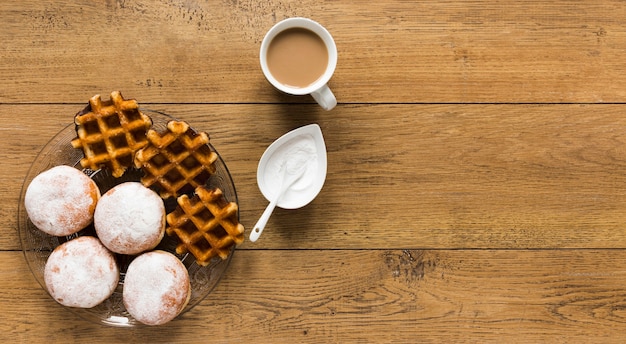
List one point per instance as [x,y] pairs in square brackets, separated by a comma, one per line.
[476,187]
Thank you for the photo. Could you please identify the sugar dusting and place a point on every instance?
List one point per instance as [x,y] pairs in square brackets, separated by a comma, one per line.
[130,218]
[61,200]
[156,287]
[81,273]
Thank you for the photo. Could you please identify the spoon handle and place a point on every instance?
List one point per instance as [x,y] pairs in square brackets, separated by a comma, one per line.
[260,224]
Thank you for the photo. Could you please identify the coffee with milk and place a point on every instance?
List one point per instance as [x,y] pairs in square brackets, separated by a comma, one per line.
[297,57]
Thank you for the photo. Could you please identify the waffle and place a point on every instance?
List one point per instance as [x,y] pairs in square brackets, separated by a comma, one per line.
[110,133]
[177,161]
[205,224]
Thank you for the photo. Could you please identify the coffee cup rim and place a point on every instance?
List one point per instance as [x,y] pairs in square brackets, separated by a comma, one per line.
[315,27]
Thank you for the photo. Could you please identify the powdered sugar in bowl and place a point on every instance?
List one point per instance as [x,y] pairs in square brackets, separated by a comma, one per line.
[303,147]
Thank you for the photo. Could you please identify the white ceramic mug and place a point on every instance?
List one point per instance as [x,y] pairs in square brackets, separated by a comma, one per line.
[319,89]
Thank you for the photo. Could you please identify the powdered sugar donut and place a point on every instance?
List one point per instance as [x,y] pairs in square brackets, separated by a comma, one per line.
[81,273]
[130,218]
[61,201]
[156,287]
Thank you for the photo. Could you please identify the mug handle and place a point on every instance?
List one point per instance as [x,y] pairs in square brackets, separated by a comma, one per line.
[325,97]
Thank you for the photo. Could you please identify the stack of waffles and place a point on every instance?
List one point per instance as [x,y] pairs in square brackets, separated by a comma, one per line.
[177,163]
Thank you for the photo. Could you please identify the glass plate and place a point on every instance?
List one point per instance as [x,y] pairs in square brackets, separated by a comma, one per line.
[38,245]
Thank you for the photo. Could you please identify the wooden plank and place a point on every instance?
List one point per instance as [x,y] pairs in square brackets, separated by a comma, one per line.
[451,176]
[389,51]
[341,296]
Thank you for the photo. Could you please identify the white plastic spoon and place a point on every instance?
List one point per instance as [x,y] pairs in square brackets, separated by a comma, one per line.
[289,177]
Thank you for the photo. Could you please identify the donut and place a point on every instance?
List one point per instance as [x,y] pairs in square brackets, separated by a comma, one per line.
[130,218]
[81,273]
[61,200]
[156,287]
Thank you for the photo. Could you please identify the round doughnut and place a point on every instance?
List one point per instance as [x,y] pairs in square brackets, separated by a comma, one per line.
[156,287]
[61,201]
[81,273]
[130,218]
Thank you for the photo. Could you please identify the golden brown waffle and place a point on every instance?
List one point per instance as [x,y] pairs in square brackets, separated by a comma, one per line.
[205,224]
[176,161]
[110,133]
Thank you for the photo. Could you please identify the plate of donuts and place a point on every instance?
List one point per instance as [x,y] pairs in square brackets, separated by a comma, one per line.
[112,221]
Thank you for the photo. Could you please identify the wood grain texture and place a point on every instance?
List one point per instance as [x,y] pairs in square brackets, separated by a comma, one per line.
[389,51]
[475,191]
[367,296]
[408,176]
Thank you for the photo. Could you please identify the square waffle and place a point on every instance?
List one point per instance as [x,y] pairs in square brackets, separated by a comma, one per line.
[205,224]
[177,161]
[110,133]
